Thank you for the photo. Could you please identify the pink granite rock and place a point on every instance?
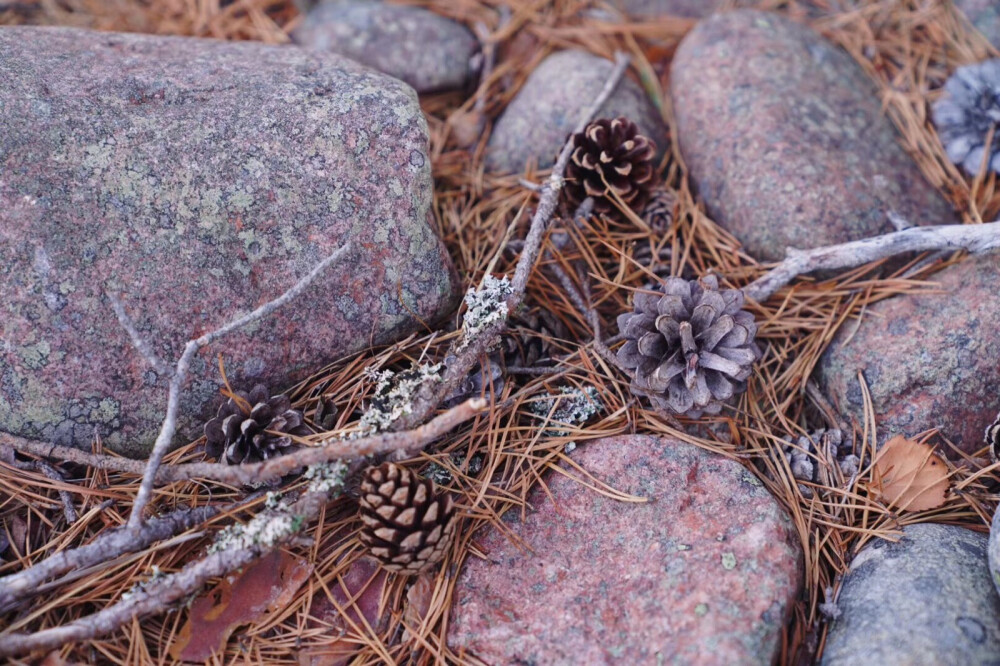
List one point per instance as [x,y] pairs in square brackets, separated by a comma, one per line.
[196,180]
[929,360]
[704,572]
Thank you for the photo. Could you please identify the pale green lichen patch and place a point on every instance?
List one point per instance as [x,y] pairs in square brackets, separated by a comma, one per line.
[728,561]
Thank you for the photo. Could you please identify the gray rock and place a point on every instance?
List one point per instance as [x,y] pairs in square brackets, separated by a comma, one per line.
[925,600]
[786,140]
[663,8]
[984,16]
[428,51]
[197,179]
[548,107]
[929,360]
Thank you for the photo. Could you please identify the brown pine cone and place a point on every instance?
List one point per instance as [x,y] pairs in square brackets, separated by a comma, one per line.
[691,347]
[610,156]
[235,436]
[408,521]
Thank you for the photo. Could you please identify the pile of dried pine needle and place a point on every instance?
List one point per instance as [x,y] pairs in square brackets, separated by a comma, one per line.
[907,47]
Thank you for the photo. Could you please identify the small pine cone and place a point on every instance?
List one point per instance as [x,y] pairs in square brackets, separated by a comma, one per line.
[408,522]
[659,211]
[610,155]
[235,436]
[691,348]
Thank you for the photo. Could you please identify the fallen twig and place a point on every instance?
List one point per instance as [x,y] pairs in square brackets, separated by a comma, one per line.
[108,545]
[950,237]
[160,593]
[467,352]
[166,436]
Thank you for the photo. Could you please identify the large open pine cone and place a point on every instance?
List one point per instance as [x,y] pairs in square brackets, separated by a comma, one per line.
[610,156]
[235,436]
[408,522]
[691,348]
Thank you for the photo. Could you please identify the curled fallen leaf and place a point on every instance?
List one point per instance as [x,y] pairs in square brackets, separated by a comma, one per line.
[910,475]
[269,583]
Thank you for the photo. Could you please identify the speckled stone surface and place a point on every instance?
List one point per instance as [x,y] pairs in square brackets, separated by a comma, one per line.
[428,51]
[924,601]
[984,16]
[549,105]
[785,139]
[930,361]
[196,179]
[703,573]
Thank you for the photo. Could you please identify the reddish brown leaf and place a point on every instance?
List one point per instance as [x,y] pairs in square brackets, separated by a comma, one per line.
[267,584]
[910,476]
[359,592]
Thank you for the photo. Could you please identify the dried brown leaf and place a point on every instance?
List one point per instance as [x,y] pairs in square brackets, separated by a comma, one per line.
[269,583]
[910,476]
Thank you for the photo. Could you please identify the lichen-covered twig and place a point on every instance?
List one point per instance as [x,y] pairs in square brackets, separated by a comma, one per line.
[166,436]
[160,593]
[949,237]
[107,546]
[335,449]
[467,352]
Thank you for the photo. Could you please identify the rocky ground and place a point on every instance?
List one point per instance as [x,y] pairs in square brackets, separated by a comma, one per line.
[155,186]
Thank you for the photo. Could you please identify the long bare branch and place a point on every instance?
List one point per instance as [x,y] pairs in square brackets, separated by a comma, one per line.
[159,594]
[107,546]
[466,353]
[949,237]
[169,426]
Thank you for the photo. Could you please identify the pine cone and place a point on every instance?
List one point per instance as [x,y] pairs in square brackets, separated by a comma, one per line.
[610,155]
[809,457]
[692,347]
[659,211]
[235,436]
[408,522]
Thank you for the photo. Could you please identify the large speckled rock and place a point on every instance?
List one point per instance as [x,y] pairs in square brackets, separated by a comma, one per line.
[923,601]
[197,180]
[704,572]
[785,138]
[548,107]
[929,360]
[428,51]
[984,16]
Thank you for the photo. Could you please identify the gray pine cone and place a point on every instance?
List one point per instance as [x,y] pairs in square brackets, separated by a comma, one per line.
[807,456]
[965,113]
[236,437]
[691,347]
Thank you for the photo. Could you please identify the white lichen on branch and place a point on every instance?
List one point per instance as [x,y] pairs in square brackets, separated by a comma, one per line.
[394,395]
[325,477]
[265,530]
[485,306]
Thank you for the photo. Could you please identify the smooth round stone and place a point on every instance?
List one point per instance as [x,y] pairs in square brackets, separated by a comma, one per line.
[652,9]
[929,360]
[196,180]
[548,107]
[785,137]
[428,51]
[704,572]
[924,601]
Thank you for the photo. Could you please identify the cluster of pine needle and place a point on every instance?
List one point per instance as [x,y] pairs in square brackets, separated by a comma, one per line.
[493,462]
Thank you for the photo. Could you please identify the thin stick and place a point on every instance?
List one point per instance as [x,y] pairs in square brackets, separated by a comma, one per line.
[951,237]
[406,442]
[107,546]
[140,343]
[431,395]
[160,593]
[169,426]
